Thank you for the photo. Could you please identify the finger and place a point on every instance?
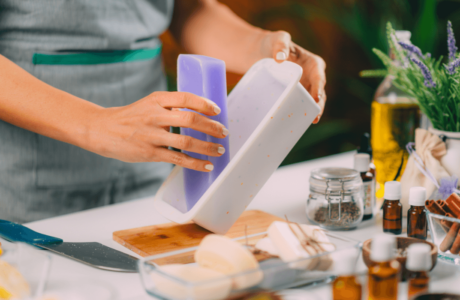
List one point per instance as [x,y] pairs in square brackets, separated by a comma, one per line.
[189,119]
[191,144]
[321,105]
[184,160]
[188,100]
[320,97]
[281,43]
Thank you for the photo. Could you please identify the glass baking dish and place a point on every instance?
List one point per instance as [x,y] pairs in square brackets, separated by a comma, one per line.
[439,232]
[276,274]
[31,263]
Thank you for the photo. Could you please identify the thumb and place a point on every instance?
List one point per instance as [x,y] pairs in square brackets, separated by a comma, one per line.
[281,41]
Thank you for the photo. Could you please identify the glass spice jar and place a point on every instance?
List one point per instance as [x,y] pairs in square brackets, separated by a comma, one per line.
[336,198]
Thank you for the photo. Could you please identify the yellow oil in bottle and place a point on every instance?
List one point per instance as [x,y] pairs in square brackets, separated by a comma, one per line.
[394,118]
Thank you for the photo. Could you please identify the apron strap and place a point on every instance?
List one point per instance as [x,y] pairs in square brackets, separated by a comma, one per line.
[93,58]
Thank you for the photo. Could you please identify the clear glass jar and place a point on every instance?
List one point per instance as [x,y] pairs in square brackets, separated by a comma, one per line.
[336,198]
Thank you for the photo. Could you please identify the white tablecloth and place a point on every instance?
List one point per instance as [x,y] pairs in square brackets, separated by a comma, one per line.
[284,194]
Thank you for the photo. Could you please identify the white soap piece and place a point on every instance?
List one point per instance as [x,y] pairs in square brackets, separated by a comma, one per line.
[12,283]
[266,245]
[319,235]
[215,284]
[227,256]
[293,246]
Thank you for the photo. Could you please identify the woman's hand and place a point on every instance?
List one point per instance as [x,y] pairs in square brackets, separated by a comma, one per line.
[279,46]
[139,132]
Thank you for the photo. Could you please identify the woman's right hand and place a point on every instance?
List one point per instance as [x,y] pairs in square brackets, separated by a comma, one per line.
[139,132]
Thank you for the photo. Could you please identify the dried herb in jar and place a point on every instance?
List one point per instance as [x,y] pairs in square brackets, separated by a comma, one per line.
[350,213]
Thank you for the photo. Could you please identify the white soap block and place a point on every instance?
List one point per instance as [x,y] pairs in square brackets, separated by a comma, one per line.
[266,245]
[227,256]
[318,234]
[215,284]
[291,243]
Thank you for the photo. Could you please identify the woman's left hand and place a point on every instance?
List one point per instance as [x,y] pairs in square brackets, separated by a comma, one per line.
[278,45]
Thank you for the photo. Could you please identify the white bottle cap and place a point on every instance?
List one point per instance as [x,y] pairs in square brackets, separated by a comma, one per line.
[418,257]
[417,196]
[345,265]
[383,248]
[362,162]
[392,190]
[403,36]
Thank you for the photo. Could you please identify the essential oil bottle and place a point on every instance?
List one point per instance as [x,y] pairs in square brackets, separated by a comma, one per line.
[392,208]
[362,165]
[416,215]
[365,147]
[384,274]
[419,264]
[346,286]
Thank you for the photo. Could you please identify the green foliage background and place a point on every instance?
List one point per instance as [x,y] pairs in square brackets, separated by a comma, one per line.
[344,32]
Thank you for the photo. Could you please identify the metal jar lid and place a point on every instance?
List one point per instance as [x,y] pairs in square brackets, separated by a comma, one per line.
[326,180]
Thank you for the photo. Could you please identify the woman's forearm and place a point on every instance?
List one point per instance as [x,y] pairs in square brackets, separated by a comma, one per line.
[34,105]
[210,28]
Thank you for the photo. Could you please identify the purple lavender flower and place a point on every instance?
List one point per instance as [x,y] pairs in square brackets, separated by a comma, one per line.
[412,49]
[429,83]
[452,66]
[451,42]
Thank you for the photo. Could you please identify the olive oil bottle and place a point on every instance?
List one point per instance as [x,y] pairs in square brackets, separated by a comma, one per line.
[394,117]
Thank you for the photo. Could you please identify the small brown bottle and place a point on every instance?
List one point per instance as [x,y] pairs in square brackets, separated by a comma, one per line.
[392,208]
[384,274]
[418,264]
[346,286]
[416,215]
[362,163]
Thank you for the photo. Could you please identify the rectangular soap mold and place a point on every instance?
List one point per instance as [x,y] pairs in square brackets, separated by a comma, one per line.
[268,112]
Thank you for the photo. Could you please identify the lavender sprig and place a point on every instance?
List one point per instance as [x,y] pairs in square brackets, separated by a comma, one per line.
[412,49]
[452,66]
[451,44]
[429,83]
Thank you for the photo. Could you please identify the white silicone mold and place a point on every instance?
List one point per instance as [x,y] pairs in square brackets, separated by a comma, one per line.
[268,112]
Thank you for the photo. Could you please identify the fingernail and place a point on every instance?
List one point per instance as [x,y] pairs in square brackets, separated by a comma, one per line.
[221,150]
[209,167]
[281,56]
[225,131]
[217,109]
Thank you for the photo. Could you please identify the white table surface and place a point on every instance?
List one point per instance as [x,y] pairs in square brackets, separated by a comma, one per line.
[284,194]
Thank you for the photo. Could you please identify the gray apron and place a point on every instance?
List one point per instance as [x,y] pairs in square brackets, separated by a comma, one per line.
[57,42]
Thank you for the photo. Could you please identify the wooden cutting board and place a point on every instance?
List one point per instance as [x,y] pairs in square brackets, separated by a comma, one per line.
[163,238]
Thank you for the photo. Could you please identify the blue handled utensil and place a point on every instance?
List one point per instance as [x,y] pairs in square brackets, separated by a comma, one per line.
[92,254]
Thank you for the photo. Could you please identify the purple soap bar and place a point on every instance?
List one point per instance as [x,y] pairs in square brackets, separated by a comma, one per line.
[203,76]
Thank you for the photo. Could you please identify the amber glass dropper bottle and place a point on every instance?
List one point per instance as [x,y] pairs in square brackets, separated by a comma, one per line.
[362,165]
[418,264]
[416,215]
[346,286]
[392,208]
[384,274]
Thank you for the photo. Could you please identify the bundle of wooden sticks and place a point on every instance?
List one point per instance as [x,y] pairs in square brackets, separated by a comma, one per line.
[449,208]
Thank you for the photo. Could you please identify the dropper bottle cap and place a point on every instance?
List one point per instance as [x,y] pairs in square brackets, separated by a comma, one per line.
[392,190]
[347,262]
[417,196]
[419,257]
[383,248]
[362,162]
